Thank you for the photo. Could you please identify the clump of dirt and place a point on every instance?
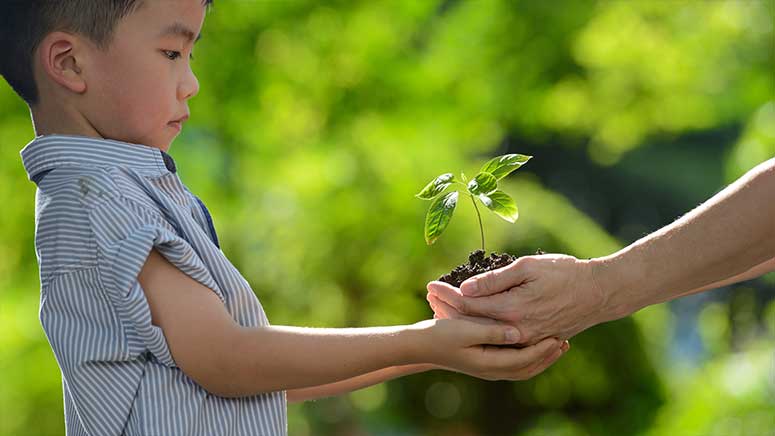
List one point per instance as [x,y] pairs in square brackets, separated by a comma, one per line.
[478,264]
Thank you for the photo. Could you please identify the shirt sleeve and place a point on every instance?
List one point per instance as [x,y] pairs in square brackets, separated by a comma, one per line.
[125,232]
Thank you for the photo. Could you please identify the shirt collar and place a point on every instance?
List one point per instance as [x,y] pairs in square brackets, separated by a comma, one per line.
[47,152]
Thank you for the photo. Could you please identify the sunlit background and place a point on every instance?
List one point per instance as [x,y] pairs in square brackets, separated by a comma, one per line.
[318,121]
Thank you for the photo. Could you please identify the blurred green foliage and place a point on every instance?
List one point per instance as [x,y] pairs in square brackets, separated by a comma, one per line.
[317,122]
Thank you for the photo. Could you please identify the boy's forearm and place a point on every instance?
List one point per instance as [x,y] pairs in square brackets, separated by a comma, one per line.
[355,383]
[276,358]
[726,236]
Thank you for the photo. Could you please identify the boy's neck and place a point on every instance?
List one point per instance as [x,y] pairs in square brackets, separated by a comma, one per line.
[61,120]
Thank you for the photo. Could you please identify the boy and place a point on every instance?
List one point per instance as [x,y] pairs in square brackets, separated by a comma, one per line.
[154,330]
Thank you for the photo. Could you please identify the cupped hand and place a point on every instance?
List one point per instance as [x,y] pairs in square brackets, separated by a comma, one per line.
[485,350]
[542,296]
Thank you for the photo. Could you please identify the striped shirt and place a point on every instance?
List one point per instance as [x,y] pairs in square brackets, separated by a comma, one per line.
[101,206]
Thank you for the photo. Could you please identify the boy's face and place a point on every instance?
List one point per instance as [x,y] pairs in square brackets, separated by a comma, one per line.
[140,85]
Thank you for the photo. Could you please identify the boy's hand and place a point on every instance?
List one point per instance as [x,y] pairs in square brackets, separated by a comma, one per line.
[473,348]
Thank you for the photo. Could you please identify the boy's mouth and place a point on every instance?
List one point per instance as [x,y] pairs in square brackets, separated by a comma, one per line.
[178,123]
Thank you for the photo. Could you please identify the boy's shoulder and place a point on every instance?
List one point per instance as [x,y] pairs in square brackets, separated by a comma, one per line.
[81,189]
[86,172]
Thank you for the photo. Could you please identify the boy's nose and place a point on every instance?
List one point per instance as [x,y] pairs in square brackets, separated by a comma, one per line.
[189,87]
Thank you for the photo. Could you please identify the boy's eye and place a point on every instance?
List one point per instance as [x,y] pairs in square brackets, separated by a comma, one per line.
[171,54]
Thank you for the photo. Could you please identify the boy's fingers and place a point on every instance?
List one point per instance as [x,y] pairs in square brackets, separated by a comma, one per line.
[492,334]
[448,311]
[430,303]
[439,308]
[441,287]
[509,358]
[483,306]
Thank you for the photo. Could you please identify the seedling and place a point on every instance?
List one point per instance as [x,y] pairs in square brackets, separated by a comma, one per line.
[483,187]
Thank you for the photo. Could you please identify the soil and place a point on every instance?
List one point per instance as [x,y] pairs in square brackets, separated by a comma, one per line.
[478,264]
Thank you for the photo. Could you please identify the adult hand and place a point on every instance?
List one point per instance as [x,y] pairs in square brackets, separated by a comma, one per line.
[543,296]
[477,349]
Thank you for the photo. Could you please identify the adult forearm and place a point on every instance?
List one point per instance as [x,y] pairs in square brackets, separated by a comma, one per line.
[758,270]
[280,358]
[726,236]
[355,383]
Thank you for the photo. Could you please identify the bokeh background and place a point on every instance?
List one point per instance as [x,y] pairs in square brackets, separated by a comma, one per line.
[318,121]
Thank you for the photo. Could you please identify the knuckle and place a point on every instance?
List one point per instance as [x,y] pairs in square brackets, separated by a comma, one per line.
[488,281]
[463,306]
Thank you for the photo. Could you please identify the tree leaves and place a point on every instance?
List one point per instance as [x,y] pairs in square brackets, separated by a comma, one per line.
[484,187]
[502,166]
[502,204]
[436,186]
[438,216]
[483,183]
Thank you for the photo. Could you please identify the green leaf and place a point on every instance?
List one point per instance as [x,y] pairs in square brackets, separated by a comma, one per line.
[483,183]
[439,214]
[502,166]
[502,204]
[436,186]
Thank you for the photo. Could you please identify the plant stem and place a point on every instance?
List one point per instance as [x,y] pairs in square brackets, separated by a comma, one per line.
[481,229]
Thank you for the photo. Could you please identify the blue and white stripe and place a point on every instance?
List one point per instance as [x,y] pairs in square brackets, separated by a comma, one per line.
[101,206]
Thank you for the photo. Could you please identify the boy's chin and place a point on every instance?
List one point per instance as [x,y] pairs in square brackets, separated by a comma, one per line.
[161,142]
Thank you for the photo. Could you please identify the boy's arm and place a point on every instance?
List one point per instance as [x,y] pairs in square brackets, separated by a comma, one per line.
[355,383]
[231,360]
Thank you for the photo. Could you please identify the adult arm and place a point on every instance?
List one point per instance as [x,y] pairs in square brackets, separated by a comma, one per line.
[730,237]
[757,271]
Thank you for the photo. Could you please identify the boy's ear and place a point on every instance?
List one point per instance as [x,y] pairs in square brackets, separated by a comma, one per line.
[60,56]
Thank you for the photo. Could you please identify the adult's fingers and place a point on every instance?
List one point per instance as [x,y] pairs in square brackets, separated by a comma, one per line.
[482,306]
[444,310]
[539,367]
[495,281]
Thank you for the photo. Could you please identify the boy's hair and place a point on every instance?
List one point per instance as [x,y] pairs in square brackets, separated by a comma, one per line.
[24,24]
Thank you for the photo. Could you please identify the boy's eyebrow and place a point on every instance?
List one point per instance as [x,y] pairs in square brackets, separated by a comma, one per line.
[179,29]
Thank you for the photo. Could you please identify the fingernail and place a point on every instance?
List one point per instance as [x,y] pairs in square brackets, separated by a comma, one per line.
[512,335]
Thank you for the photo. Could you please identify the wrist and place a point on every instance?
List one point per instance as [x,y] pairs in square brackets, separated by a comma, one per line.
[615,282]
[418,345]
